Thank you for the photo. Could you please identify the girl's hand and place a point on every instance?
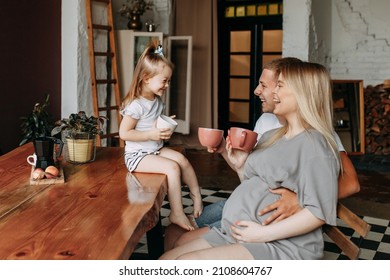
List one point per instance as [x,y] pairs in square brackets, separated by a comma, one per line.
[247,231]
[236,157]
[158,134]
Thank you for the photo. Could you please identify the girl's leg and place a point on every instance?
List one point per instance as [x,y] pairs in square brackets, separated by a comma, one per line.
[158,164]
[188,176]
[200,249]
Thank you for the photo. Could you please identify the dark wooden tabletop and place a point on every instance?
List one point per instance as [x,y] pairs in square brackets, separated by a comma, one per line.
[100,212]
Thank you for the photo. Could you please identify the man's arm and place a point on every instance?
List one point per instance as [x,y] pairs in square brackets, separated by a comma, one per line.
[348,180]
[284,207]
[287,205]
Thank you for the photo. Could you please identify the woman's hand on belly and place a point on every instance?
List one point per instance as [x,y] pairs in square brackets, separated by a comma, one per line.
[247,231]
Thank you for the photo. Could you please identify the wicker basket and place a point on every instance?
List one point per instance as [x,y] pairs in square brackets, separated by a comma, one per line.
[80,149]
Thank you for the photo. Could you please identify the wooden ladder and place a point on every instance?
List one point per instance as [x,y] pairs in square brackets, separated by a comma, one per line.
[111,105]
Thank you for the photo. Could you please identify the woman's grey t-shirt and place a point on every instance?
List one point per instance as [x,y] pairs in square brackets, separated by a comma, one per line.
[304,164]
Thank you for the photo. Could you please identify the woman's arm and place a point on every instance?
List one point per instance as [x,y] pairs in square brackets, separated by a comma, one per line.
[236,158]
[300,223]
[221,149]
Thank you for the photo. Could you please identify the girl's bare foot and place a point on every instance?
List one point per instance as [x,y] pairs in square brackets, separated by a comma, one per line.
[181,220]
[198,204]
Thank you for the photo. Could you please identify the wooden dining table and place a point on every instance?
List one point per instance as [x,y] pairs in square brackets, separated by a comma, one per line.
[100,211]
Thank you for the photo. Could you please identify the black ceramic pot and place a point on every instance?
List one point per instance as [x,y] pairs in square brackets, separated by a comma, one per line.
[44,149]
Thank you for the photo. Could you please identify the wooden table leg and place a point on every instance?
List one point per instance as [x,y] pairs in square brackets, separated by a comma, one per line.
[155,240]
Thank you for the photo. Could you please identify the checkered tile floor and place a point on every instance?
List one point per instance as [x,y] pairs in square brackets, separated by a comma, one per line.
[376,246]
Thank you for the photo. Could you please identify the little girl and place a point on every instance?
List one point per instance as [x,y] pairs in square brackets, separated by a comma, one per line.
[144,151]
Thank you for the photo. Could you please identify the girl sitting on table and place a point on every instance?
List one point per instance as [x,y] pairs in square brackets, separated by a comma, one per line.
[144,151]
[309,166]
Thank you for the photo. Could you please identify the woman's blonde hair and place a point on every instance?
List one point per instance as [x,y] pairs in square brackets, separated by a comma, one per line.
[312,87]
[149,64]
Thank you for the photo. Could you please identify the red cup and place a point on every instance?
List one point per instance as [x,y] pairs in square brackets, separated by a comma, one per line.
[210,137]
[242,138]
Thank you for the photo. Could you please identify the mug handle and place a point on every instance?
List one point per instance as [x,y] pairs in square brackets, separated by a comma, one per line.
[33,158]
[242,138]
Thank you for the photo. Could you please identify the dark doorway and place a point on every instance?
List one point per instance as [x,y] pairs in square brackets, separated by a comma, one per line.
[247,40]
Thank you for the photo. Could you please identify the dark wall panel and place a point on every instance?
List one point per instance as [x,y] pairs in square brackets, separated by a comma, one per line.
[30,63]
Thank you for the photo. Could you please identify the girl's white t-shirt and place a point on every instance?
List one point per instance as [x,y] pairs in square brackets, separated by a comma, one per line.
[146,112]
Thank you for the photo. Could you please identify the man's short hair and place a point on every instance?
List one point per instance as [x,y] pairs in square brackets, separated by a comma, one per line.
[276,64]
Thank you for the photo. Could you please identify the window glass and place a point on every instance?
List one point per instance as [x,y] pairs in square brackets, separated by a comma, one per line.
[272,40]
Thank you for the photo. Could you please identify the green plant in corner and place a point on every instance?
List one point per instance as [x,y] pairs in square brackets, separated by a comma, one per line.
[37,124]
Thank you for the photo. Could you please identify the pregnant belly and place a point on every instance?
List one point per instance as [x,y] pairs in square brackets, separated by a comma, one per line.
[247,200]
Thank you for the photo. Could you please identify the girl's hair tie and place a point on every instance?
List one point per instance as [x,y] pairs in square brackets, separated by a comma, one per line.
[159,50]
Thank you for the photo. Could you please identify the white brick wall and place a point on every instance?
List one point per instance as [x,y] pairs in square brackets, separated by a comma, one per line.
[350,37]
[367,54]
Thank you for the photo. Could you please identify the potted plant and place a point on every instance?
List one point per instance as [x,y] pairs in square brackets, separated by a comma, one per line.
[36,128]
[133,9]
[79,135]
[37,123]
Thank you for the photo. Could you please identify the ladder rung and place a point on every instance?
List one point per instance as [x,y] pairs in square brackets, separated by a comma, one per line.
[104,54]
[109,108]
[102,1]
[102,27]
[112,81]
[109,135]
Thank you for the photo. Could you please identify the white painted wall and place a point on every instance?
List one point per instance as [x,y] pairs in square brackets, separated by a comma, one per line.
[296,14]
[69,45]
[76,82]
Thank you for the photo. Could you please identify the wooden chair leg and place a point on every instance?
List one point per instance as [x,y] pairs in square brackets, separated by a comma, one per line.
[352,220]
[350,249]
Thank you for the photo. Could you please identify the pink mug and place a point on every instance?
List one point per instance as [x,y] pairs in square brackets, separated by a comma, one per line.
[242,139]
[210,137]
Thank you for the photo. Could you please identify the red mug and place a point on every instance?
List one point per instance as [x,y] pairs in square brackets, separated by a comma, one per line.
[242,138]
[210,137]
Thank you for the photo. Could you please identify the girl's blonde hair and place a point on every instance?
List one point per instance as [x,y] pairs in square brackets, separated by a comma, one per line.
[312,87]
[149,64]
